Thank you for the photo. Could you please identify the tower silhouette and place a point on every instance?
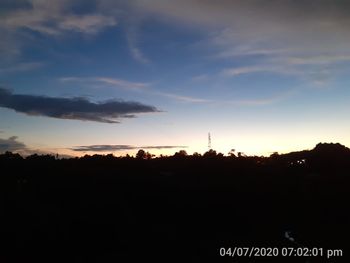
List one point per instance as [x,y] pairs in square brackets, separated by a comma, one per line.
[209,142]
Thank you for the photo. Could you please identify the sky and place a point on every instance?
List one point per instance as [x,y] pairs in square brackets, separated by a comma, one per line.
[101,76]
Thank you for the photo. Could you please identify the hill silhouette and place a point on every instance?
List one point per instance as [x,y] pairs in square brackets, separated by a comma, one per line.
[177,208]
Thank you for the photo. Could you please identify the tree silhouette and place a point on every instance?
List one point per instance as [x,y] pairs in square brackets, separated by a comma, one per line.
[210,153]
[141,154]
[181,153]
[231,153]
[100,207]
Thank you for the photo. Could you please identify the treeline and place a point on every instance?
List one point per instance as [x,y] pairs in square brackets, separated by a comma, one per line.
[103,208]
[325,157]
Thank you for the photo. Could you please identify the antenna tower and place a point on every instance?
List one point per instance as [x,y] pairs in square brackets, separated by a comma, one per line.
[209,141]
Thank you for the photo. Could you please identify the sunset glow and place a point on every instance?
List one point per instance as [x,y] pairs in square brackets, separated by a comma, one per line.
[160,75]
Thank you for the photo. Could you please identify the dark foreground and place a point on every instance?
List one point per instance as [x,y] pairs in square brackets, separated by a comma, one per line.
[174,209]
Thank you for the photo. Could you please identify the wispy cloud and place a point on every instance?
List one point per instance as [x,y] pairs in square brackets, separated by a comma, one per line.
[23,66]
[271,67]
[318,60]
[201,77]
[138,55]
[137,86]
[251,102]
[182,98]
[245,70]
[259,101]
[119,83]
[318,71]
[132,36]
[53,17]
[228,52]
[268,36]
[89,24]
[145,87]
[73,108]
[111,148]
[122,83]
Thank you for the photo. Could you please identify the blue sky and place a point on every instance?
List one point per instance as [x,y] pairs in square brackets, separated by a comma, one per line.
[162,74]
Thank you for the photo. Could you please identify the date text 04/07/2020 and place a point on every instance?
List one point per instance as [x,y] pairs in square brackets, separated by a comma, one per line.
[275,251]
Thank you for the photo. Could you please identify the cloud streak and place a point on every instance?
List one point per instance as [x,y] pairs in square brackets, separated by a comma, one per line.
[111,148]
[247,70]
[119,83]
[269,67]
[132,36]
[315,70]
[73,108]
[181,98]
[135,86]
[318,60]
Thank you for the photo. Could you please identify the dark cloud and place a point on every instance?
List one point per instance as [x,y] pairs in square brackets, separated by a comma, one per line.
[107,148]
[11,144]
[73,108]
[102,148]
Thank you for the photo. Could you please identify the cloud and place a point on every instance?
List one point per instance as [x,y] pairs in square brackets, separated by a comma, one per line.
[137,86]
[89,24]
[120,83]
[111,148]
[52,17]
[73,108]
[246,50]
[137,54]
[20,67]
[272,67]
[298,36]
[315,71]
[55,18]
[133,39]
[258,101]
[254,20]
[12,145]
[182,98]
[245,70]
[318,60]
[252,102]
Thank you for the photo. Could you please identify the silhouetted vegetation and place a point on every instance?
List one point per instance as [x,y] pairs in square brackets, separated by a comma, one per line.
[180,208]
